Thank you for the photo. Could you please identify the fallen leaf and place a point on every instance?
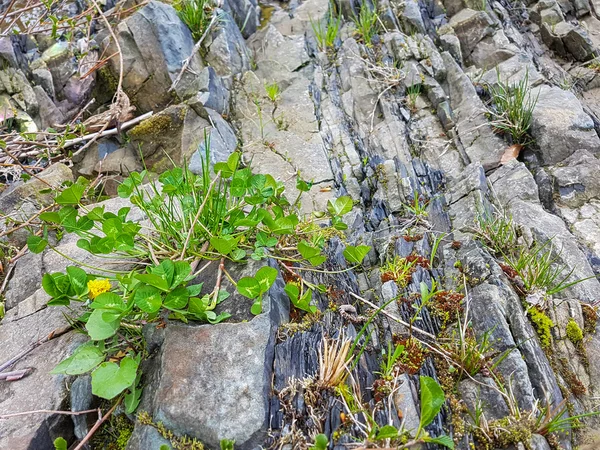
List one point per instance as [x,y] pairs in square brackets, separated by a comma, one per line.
[511,153]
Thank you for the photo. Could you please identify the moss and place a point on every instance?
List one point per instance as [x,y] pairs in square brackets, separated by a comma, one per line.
[574,332]
[152,126]
[590,318]
[505,432]
[114,434]
[542,324]
[177,442]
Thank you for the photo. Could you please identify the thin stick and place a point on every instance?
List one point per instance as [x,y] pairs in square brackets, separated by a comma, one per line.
[15,375]
[189,236]
[54,334]
[97,425]
[110,132]
[194,51]
[397,319]
[28,222]
[50,411]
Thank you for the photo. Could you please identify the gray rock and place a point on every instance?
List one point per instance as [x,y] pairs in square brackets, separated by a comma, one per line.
[560,126]
[406,400]
[40,389]
[565,38]
[212,381]
[480,142]
[484,393]
[155,42]
[7,51]
[451,44]
[492,51]
[223,142]
[513,71]
[471,27]
[49,114]
[146,437]
[43,77]
[409,15]
[228,53]
[214,93]
[14,83]
[538,442]
[444,113]
[576,180]
[81,400]
[246,14]
[546,11]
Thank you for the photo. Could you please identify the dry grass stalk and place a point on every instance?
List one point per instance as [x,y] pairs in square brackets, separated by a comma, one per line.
[333,362]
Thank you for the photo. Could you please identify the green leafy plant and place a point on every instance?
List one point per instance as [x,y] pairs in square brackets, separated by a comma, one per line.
[273,91]
[60,444]
[321,442]
[412,94]
[391,357]
[366,23]
[227,214]
[326,32]
[513,108]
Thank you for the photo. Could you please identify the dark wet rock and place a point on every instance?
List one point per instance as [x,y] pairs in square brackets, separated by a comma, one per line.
[81,400]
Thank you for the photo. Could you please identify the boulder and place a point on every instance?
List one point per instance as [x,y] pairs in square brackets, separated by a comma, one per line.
[212,382]
[565,38]
[173,135]
[154,43]
[559,125]
[471,27]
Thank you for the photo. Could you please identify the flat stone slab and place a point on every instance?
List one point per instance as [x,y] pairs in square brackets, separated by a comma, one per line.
[214,383]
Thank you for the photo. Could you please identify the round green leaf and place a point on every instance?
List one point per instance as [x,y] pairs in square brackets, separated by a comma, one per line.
[249,287]
[109,379]
[85,358]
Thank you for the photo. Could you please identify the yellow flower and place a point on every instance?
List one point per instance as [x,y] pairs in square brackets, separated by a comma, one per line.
[98,287]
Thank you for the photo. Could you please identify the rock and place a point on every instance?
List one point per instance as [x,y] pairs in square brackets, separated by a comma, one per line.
[246,14]
[213,380]
[451,44]
[546,11]
[155,42]
[51,391]
[214,93]
[109,157]
[538,442]
[542,226]
[481,143]
[43,78]
[7,51]
[576,179]
[492,51]
[59,60]
[14,83]
[223,142]
[409,15]
[513,71]
[228,53]
[21,200]
[471,27]
[406,401]
[565,38]
[50,115]
[178,132]
[559,125]
[485,391]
